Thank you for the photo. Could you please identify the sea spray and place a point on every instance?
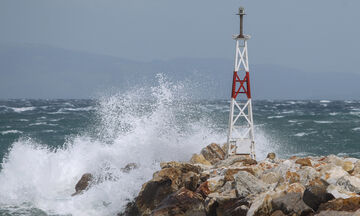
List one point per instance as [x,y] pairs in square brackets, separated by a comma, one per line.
[145,126]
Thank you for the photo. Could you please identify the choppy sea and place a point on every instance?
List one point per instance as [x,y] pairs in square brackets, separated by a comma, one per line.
[46,145]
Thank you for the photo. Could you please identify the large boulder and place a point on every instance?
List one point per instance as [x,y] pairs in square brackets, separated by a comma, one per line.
[314,196]
[271,178]
[213,153]
[183,202]
[350,183]
[152,193]
[351,205]
[307,174]
[229,173]
[183,167]
[235,161]
[168,180]
[232,207]
[199,159]
[247,184]
[346,164]
[261,205]
[292,177]
[84,183]
[332,173]
[340,192]
[215,183]
[356,170]
[191,180]
[290,204]
[303,162]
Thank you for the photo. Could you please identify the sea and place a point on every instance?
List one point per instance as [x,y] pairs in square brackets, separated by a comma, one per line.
[47,145]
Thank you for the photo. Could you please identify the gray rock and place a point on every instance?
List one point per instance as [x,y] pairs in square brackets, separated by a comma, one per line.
[350,183]
[270,178]
[183,202]
[129,167]
[247,184]
[84,183]
[232,207]
[332,173]
[307,174]
[291,203]
[213,153]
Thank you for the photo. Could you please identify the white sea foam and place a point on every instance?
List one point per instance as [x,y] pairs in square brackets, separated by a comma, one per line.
[277,117]
[293,121]
[22,109]
[11,132]
[300,134]
[89,108]
[355,113]
[325,101]
[38,123]
[356,129]
[324,122]
[288,111]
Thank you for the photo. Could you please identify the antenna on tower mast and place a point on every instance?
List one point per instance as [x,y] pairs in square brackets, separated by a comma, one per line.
[240,138]
[241,15]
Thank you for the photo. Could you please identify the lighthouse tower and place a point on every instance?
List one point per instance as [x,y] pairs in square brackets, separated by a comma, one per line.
[241,126]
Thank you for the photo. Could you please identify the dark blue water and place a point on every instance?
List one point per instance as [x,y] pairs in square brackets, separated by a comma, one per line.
[299,127]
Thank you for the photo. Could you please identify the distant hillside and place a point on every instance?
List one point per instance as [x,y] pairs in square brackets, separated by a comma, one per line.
[44,72]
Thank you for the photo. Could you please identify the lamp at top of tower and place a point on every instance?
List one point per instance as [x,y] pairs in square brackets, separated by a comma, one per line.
[241,11]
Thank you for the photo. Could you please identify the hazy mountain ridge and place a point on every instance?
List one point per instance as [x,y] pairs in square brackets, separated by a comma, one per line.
[33,71]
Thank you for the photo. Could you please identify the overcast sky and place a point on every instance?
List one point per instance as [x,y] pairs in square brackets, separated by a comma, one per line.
[311,35]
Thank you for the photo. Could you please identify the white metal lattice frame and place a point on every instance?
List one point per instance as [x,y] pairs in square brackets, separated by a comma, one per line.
[241,125]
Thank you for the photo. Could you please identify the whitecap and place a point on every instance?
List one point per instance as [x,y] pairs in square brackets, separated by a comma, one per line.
[356,129]
[301,134]
[288,112]
[355,113]
[89,108]
[38,123]
[55,120]
[325,101]
[323,122]
[277,117]
[22,109]
[333,113]
[293,121]
[11,132]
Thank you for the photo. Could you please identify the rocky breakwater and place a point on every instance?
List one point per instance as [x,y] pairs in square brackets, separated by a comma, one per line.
[211,185]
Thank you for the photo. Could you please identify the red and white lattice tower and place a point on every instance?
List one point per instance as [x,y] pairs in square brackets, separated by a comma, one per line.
[241,126]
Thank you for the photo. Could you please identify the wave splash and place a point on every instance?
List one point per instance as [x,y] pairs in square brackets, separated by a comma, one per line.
[143,126]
